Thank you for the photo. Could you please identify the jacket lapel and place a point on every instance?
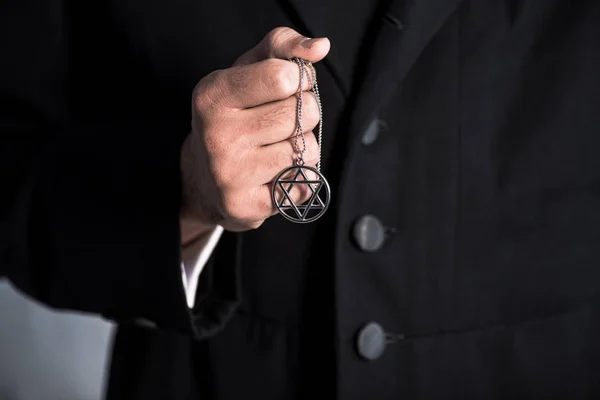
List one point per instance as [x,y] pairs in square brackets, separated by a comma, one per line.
[392,53]
[396,50]
[343,22]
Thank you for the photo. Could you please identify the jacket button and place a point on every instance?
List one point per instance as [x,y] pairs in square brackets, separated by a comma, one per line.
[372,132]
[371,341]
[369,233]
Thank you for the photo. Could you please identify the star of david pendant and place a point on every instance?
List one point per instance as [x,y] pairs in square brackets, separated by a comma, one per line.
[310,210]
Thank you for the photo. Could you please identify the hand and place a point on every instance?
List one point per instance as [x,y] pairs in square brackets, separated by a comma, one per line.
[244,122]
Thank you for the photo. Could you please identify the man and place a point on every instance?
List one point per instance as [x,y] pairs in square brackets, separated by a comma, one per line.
[459,255]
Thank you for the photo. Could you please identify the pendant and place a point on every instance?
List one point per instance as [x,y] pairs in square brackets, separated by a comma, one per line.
[310,210]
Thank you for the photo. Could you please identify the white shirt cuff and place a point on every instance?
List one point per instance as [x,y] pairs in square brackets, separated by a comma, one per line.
[193,259]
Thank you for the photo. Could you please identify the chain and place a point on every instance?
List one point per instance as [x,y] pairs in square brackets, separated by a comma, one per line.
[299,130]
[315,89]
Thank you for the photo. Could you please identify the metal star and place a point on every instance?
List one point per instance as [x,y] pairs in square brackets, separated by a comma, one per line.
[314,203]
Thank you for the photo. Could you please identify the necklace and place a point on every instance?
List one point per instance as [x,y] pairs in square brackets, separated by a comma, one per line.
[298,175]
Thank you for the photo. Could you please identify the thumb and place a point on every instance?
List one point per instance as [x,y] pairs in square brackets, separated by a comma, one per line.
[286,43]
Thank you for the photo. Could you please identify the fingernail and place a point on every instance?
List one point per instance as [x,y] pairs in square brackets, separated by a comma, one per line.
[308,42]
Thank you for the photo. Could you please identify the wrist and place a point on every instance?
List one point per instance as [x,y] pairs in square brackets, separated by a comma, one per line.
[193,230]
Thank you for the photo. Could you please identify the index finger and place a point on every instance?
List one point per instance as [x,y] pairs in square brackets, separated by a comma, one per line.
[259,83]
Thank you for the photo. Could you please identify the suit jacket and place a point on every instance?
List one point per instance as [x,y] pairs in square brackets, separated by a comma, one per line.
[459,257]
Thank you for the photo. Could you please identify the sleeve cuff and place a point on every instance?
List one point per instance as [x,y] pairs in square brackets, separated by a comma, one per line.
[194,259]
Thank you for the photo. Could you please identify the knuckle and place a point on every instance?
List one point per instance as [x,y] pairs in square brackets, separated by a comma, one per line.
[282,79]
[207,91]
[210,79]
[277,36]
[200,100]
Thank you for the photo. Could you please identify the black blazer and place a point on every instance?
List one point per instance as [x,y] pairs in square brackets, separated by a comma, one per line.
[467,130]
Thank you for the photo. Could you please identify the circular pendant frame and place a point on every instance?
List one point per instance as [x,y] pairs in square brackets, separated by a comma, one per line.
[301,217]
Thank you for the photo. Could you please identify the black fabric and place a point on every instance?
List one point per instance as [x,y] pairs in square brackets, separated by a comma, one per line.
[487,178]
[91,184]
